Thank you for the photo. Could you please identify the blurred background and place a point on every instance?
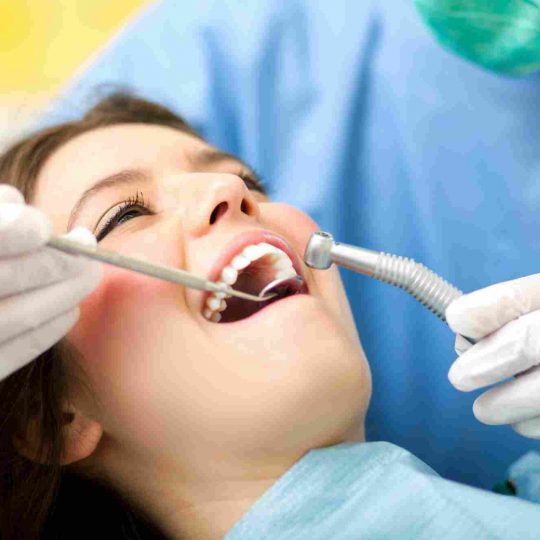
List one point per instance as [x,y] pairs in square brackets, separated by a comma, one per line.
[43,43]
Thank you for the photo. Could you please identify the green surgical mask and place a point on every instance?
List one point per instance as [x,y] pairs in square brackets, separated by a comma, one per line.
[500,35]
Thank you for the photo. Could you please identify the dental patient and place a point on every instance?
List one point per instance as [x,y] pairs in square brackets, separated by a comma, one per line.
[166,412]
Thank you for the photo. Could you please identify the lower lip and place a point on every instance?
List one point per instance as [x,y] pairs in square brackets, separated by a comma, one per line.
[285,302]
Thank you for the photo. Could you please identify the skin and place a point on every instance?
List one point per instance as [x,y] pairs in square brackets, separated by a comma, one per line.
[194,420]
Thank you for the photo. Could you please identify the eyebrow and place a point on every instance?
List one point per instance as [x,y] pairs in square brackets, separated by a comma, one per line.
[131,176]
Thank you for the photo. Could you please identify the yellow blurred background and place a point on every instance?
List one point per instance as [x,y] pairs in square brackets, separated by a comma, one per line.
[42,43]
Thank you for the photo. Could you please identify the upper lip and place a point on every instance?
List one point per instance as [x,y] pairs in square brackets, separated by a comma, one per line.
[245,239]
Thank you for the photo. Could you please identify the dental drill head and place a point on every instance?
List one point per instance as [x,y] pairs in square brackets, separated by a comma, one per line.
[318,251]
[322,251]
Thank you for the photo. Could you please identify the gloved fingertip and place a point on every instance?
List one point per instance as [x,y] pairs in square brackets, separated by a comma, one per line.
[10,194]
[484,414]
[455,315]
[462,345]
[32,228]
[82,235]
[465,317]
[528,428]
[458,379]
[9,213]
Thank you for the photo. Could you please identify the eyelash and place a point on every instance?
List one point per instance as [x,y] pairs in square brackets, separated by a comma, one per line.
[121,211]
[138,201]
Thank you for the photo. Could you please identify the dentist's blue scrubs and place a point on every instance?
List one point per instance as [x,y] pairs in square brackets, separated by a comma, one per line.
[351,111]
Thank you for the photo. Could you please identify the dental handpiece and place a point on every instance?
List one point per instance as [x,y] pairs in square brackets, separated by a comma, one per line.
[419,281]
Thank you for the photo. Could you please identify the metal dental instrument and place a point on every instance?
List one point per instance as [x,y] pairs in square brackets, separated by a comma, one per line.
[294,281]
[166,273]
[420,282]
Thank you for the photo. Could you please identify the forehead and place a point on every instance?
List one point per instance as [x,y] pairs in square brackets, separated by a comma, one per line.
[100,152]
[93,155]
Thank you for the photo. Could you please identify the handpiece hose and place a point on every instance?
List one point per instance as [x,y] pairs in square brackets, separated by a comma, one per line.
[426,286]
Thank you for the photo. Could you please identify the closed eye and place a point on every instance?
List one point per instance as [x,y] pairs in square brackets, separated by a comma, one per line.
[253,181]
[132,206]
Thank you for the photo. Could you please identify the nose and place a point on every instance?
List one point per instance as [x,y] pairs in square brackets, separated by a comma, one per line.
[222,197]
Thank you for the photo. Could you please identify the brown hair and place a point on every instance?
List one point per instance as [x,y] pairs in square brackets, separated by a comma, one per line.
[48,500]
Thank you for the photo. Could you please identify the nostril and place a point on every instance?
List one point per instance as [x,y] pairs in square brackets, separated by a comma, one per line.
[219,210]
[222,207]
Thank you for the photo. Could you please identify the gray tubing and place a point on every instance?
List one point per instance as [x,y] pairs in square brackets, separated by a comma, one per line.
[426,286]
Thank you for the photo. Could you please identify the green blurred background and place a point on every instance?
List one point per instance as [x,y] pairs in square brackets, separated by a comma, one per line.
[42,43]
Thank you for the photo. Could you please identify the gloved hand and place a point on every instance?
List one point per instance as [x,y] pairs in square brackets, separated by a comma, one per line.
[505,320]
[40,287]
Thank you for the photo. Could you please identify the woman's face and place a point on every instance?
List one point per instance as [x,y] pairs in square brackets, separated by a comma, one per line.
[170,382]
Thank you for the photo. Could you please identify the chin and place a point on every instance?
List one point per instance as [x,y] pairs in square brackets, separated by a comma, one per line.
[328,376]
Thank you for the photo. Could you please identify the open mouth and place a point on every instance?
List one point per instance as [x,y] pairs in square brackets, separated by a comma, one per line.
[254,267]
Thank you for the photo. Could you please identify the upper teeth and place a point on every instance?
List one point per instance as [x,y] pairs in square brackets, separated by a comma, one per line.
[278,258]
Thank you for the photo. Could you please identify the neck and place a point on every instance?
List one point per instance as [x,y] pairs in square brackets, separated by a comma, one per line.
[202,499]
[217,511]
[202,504]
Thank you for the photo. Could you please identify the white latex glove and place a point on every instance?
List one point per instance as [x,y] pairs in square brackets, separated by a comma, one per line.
[505,320]
[40,287]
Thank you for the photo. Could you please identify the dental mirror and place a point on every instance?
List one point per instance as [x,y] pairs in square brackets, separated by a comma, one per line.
[294,282]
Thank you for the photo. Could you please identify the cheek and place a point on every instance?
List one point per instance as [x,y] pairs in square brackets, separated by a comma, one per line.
[121,310]
[118,315]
